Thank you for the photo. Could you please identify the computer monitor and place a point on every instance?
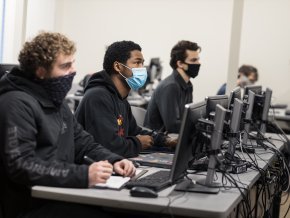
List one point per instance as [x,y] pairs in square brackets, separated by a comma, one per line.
[253,88]
[235,93]
[216,140]
[248,116]
[5,68]
[207,186]
[261,110]
[186,145]
[155,69]
[213,101]
[234,124]
[266,107]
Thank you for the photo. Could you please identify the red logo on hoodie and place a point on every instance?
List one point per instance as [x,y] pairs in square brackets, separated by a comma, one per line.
[120,120]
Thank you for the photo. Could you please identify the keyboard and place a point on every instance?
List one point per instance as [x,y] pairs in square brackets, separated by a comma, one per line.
[155,181]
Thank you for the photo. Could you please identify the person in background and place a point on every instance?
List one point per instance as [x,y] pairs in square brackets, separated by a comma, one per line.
[104,110]
[166,106]
[40,141]
[248,75]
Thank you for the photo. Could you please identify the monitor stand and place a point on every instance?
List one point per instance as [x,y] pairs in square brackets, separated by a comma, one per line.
[259,138]
[199,187]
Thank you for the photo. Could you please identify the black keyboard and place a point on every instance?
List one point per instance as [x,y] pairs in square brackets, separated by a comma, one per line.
[155,181]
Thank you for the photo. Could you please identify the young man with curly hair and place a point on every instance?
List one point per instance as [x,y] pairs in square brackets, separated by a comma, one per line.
[40,141]
[166,106]
[104,111]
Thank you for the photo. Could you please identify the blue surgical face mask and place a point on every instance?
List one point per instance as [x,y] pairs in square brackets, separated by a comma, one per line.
[138,78]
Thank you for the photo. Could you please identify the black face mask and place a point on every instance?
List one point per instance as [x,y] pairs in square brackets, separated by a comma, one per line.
[57,88]
[192,70]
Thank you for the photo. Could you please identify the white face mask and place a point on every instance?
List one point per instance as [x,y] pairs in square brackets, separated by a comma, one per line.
[244,81]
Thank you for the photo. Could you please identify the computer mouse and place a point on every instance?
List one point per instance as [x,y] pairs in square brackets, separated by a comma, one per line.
[144,192]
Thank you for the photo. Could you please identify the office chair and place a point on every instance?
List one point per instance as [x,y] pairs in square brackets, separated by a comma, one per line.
[139,114]
[5,68]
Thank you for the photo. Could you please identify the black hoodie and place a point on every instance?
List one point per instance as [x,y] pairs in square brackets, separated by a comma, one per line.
[108,117]
[40,144]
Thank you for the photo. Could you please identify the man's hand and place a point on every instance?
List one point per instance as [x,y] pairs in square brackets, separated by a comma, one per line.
[124,168]
[146,141]
[99,172]
[170,142]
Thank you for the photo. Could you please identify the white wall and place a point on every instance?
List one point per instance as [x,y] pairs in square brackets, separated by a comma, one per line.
[13,30]
[40,16]
[266,44]
[24,19]
[156,25]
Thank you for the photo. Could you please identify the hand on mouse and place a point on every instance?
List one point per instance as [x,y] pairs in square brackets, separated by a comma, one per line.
[170,142]
[146,141]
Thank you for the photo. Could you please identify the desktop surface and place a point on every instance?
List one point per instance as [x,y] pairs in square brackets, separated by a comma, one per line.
[181,203]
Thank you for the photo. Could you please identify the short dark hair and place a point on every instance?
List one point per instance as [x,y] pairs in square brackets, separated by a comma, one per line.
[118,51]
[178,52]
[249,69]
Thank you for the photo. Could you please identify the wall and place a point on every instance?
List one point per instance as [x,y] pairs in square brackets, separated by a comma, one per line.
[156,25]
[266,44]
[24,19]
[13,30]
[40,16]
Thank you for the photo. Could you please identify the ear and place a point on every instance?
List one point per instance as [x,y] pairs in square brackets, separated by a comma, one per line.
[179,64]
[40,72]
[116,66]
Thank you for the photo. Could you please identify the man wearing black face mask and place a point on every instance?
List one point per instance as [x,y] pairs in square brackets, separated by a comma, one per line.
[166,106]
[40,141]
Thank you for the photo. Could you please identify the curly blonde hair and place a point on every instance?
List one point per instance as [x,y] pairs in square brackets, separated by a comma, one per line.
[43,50]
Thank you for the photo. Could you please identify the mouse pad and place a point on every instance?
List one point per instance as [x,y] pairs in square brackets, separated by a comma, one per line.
[162,160]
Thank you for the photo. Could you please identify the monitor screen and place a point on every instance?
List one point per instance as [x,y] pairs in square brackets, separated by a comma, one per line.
[186,141]
[154,70]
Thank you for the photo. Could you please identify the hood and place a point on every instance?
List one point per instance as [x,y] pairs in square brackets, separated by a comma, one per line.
[15,81]
[102,79]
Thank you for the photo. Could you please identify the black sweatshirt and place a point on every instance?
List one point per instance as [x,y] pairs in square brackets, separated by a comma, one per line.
[40,144]
[109,118]
[166,106]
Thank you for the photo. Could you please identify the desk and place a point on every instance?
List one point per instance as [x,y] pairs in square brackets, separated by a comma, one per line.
[282,119]
[220,205]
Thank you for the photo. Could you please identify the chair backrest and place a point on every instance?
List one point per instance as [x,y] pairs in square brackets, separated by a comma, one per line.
[139,114]
[5,68]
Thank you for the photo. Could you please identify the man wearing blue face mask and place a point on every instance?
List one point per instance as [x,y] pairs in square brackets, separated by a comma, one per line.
[104,111]
[166,105]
